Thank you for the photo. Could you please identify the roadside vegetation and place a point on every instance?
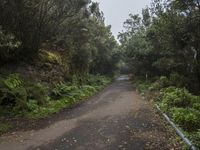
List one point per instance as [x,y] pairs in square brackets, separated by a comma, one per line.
[21,100]
[53,54]
[162,49]
[178,103]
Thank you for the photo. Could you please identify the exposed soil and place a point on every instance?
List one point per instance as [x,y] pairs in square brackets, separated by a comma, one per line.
[116,118]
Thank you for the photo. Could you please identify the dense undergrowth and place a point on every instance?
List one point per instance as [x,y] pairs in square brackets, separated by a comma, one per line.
[177,102]
[24,99]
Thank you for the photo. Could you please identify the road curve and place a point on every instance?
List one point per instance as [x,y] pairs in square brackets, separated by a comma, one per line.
[116,118]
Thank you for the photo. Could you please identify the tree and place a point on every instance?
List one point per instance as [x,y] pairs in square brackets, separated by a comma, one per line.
[165,40]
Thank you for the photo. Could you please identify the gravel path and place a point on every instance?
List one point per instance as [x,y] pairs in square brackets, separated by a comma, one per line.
[116,118]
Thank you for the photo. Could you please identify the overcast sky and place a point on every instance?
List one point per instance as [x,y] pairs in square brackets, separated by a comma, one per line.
[117,11]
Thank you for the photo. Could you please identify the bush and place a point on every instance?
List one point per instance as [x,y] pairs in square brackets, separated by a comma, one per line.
[162,82]
[177,80]
[32,105]
[175,97]
[15,93]
[143,86]
[50,57]
[63,90]
[195,138]
[13,81]
[38,92]
[12,92]
[93,80]
[97,80]
[196,106]
[8,45]
[26,98]
[187,118]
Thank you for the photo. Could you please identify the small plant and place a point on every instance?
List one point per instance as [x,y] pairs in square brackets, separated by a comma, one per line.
[63,90]
[50,57]
[143,86]
[12,92]
[38,92]
[32,105]
[13,81]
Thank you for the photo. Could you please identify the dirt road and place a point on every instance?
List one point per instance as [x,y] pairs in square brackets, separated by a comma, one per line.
[116,118]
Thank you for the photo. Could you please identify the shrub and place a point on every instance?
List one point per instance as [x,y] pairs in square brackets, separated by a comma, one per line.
[12,92]
[32,105]
[88,79]
[88,90]
[162,82]
[177,80]
[175,97]
[143,86]
[38,92]
[50,57]
[196,106]
[62,90]
[95,80]
[13,81]
[187,118]
[8,45]
[195,138]
[15,94]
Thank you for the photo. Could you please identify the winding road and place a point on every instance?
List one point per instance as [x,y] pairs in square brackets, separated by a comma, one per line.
[115,119]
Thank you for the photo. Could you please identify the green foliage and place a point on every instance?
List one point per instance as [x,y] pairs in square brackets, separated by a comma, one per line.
[176,97]
[15,93]
[177,80]
[4,127]
[65,95]
[63,90]
[162,82]
[196,105]
[66,33]
[165,42]
[13,81]
[38,92]
[8,45]
[32,105]
[97,80]
[195,138]
[89,84]
[178,103]
[50,57]
[183,108]
[89,89]
[33,100]
[12,92]
[143,86]
[187,118]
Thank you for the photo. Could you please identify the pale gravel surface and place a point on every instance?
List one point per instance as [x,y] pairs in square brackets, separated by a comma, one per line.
[116,118]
